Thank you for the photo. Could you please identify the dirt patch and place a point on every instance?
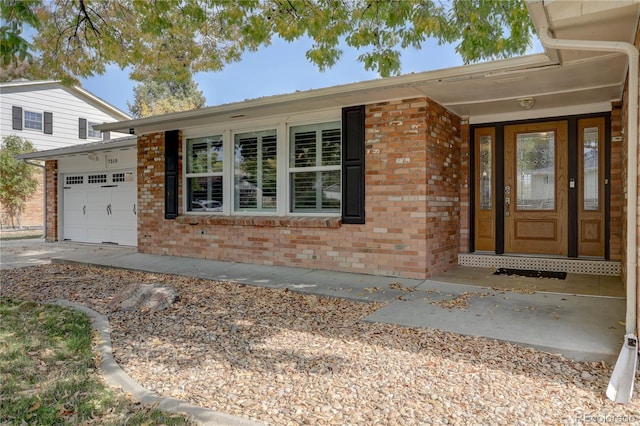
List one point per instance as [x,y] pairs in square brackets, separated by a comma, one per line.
[282,357]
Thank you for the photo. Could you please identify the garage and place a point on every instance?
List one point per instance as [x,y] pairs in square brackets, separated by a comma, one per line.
[93,197]
[100,207]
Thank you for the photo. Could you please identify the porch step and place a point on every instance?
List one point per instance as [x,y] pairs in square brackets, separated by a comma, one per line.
[572,266]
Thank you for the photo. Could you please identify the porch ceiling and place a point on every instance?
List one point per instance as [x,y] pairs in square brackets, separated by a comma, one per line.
[561,81]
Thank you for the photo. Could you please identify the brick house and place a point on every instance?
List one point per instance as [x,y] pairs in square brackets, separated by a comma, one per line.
[531,159]
[51,115]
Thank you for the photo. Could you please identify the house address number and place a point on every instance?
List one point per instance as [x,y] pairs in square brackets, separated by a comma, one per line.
[112,162]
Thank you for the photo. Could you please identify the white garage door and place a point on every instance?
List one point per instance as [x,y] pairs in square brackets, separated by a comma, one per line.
[100,207]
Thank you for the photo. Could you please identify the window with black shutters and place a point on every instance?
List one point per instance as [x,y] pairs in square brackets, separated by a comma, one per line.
[204,174]
[315,168]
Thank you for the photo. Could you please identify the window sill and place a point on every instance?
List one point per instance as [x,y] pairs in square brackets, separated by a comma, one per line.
[273,221]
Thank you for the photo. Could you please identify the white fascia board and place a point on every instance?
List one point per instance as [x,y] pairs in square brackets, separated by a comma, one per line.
[539,18]
[21,83]
[52,154]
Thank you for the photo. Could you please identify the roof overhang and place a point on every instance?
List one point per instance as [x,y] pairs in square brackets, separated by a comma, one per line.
[560,82]
[53,154]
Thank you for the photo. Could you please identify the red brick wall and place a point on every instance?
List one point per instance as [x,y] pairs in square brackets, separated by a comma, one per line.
[51,186]
[465,187]
[412,206]
[617,186]
[33,214]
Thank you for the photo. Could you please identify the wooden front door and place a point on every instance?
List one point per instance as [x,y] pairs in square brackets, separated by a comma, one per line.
[536,188]
[541,187]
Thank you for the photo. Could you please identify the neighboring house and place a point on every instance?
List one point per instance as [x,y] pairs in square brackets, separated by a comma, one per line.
[51,115]
[474,165]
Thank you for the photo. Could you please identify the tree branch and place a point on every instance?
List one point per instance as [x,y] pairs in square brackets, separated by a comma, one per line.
[83,10]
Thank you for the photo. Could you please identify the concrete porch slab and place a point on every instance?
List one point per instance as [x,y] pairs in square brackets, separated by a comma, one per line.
[580,327]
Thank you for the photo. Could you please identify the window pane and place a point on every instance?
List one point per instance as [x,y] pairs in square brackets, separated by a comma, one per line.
[486,173]
[255,186]
[204,155]
[303,149]
[204,194]
[93,133]
[316,191]
[590,168]
[318,146]
[331,147]
[32,120]
[535,166]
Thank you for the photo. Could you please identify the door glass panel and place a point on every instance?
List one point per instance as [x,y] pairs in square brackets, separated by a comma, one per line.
[590,168]
[535,171]
[485,173]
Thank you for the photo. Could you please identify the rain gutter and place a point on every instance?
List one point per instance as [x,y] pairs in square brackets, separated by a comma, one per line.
[632,154]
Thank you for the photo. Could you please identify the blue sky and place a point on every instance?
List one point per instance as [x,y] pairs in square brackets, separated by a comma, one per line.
[278,69]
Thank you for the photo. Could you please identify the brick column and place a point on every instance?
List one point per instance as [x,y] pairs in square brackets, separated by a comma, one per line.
[465,201]
[617,185]
[51,189]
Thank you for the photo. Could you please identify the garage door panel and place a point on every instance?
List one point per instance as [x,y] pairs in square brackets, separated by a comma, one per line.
[107,209]
[75,219]
[99,234]
[123,217]
[124,198]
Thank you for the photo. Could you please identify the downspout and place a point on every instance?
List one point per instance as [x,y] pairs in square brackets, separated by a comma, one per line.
[632,155]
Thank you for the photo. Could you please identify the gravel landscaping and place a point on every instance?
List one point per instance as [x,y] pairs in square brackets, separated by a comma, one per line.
[281,357]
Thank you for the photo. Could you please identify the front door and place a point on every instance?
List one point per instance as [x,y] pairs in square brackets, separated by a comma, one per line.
[540,188]
[535,188]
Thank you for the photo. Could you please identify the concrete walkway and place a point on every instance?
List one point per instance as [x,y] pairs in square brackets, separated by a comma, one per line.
[580,327]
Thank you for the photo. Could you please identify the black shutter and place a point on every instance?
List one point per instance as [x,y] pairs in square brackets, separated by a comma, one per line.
[353,165]
[16,113]
[171,143]
[48,123]
[82,128]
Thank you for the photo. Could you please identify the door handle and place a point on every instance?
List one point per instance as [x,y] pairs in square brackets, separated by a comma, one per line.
[84,210]
[134,208]
[108,209]
[507,205]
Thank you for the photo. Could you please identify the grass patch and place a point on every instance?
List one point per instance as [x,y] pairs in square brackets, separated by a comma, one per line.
[48,372]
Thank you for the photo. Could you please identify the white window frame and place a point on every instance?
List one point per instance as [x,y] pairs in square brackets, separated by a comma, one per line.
[206,174]
[291,169]
[282,125]
[91,133]
[25,120]
[258,211]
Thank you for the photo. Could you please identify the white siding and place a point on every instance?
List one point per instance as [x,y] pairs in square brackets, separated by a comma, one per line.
[66,106]
[101,160]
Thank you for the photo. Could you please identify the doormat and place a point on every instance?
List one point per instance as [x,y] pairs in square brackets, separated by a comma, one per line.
[531,273]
